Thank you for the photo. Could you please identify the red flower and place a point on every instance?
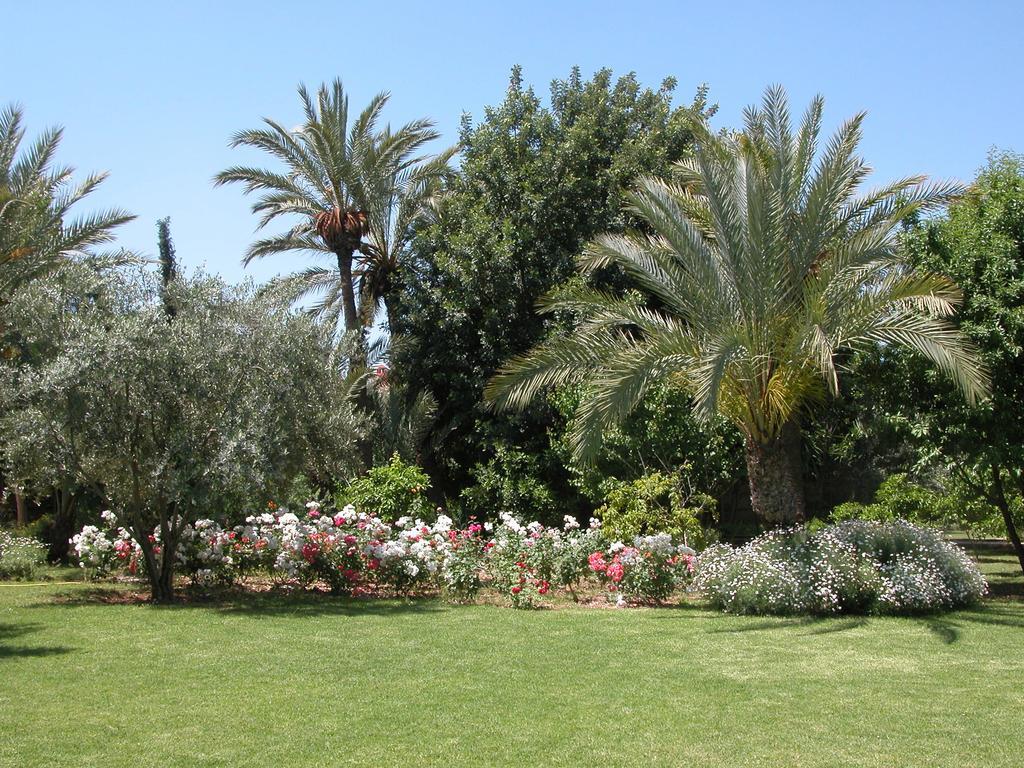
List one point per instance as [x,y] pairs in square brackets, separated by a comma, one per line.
[516,590]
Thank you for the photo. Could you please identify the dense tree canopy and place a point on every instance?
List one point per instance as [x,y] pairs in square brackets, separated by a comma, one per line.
[767,260]
[208,412]
[536,182]
[979,448]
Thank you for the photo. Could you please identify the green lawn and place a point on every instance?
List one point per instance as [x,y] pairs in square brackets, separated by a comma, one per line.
[322,681]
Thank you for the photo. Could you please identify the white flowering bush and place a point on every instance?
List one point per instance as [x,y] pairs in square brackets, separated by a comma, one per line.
[649,570]
[102,551]
[853,567]
[20,556]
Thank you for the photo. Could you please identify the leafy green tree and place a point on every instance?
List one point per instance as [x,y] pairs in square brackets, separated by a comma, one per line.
[536,182]
[764,264]
[351,190]
[44,446]
[208,413]
[980,447]
[37,233]
[659,436]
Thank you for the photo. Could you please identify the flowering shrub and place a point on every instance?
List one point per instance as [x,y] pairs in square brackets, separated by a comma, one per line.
[650,570]
[856,566]
[20,556]
[853,567]
[206,553]
[521,560]
[102,551]
[572,553]
[463,562]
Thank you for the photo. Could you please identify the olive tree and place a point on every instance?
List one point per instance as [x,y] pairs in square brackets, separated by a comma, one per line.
[201,414]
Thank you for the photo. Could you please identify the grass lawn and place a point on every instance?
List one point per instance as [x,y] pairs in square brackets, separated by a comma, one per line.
[320,681]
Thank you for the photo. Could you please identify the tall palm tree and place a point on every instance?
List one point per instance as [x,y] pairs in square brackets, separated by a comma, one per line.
[343,185]
[765,265]
[36,234]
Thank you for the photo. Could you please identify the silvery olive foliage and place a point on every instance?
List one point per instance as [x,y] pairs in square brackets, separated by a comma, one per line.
[174,418]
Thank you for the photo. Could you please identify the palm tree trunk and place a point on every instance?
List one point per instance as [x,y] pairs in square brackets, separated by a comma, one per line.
[390,311]
[776,478]
[348,305]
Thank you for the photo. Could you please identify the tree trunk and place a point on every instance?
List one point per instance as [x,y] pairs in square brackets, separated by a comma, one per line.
[163,586]
[390,312]
[349,310]
[20,510]
[63,524]
[1004,507]
[776,478]
[159,569]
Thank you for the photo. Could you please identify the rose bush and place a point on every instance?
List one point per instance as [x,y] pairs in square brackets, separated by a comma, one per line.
[855,566]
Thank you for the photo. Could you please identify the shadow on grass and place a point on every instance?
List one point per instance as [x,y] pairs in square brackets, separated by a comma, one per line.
[945,627]
[814,625]
[270,603]
[14,631]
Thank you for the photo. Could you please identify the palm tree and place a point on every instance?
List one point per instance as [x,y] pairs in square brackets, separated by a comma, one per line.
[763,268]
[347,186]
[36,234]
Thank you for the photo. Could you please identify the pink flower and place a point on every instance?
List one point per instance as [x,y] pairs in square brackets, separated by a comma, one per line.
[339,520]
[309,552]
[350,539]
[597,563]
[615,571]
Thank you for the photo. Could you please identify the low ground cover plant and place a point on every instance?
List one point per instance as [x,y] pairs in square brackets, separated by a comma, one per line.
[20,556]
[857,566]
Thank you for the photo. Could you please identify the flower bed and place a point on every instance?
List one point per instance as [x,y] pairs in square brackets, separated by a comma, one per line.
[20,556]
[852,567]
[357,553]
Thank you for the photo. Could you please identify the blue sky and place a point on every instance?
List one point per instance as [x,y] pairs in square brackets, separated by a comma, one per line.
[152,91]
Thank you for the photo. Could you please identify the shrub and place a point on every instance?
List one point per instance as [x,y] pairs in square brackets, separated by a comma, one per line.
[521,561]
[463,564]
[390,491]
[899,498]
[853,567]
[20,556]
[651,504]
[650,570]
